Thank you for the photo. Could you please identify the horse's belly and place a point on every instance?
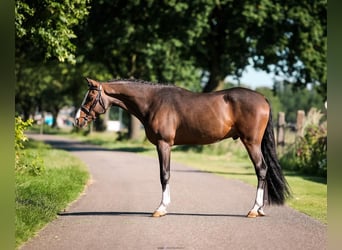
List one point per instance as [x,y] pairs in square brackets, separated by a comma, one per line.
[203,136]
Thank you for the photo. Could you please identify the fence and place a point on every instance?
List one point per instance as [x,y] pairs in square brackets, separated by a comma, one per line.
[282,125]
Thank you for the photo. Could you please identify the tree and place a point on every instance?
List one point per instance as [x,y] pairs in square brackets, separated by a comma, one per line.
[173,42]
[45,52]
[42,88]
[193,44]
[142,41]
[301,99]
[293,41]
[145,41]
[43,29]
[286,37]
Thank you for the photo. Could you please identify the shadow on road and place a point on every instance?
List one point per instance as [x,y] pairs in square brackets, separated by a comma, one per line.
[210,172]
[146,214]
[83,146]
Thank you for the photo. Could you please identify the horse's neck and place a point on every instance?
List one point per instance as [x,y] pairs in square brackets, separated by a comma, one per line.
[131,97]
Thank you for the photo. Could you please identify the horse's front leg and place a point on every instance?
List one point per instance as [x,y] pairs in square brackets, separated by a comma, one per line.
[164,150]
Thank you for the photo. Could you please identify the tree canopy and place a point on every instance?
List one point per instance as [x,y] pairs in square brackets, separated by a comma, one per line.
[194,44]
[286,37]
[44,29]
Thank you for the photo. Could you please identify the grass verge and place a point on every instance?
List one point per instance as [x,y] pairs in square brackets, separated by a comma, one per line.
[230,160]
[39,198]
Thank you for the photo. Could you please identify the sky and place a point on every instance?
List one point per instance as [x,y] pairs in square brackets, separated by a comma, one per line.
[254,78]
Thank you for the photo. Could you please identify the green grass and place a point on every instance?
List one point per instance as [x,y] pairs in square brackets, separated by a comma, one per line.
[230,160]
[309,196]
[39,198]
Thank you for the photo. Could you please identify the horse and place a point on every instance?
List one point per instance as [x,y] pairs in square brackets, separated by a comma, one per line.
[175,116]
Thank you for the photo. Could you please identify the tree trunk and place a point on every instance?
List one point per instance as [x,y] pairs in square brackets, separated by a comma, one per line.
[134,128]
[54,116]
[214,83]
[135,124]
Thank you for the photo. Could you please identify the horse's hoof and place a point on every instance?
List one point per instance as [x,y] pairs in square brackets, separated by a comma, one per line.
[252,214]
[261,212]
[159,214]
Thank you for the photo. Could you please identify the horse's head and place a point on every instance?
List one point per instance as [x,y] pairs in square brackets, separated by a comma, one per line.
[92,105]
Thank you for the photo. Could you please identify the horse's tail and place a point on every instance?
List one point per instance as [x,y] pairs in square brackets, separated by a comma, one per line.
[277,186]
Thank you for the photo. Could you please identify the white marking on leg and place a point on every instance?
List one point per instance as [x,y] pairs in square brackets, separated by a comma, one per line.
[260,197]
[166,195]
[166,199]
[259,200]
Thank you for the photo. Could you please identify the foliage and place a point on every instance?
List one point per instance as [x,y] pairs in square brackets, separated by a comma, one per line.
[31,164]
[44,28]
[309,153]
[52,86]
[20,137]
[288,38]
[193,44]
[293,100]
[45,53]
[143,40]
[39,198]
[170,40]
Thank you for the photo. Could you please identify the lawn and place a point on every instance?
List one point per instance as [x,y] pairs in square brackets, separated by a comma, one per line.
[38,198]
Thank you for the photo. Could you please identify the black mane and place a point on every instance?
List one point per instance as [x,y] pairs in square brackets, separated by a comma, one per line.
[139,81]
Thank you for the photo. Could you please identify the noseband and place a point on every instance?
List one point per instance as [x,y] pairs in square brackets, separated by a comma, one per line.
[98,99]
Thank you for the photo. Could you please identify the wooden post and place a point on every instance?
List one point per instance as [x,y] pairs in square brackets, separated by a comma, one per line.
[281,129]
[300,122]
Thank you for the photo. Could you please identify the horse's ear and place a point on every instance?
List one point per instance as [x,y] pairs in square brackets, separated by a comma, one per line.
[89,81]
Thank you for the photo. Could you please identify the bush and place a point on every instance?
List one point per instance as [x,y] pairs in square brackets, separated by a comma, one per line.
[20,128]
[29,163]
[309,153]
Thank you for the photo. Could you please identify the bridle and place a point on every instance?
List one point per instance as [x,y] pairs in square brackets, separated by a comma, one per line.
[98,99]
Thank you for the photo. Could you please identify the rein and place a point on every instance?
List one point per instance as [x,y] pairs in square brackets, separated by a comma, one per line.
[98,99]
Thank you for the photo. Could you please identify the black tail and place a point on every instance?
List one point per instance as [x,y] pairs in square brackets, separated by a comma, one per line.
[277,186]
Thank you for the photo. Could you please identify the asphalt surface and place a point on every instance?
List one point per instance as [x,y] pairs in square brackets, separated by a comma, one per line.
[206,211]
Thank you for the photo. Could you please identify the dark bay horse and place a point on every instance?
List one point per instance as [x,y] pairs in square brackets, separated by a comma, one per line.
[176,116]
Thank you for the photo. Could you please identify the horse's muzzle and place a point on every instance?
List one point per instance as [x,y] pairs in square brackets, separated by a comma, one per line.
[80,122]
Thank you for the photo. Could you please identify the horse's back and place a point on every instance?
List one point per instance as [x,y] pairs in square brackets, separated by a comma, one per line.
[184,117]
[243,95]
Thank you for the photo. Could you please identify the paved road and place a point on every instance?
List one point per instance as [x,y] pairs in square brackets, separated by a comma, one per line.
[207,211]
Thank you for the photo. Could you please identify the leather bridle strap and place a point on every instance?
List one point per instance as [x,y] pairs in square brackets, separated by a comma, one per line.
[98,99]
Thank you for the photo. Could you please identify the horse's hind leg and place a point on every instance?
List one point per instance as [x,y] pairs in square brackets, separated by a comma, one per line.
[164,150]
[254,151]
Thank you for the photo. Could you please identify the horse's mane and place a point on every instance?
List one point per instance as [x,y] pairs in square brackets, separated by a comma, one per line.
[141,82]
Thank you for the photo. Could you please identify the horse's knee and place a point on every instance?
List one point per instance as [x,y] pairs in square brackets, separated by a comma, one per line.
[261,173]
